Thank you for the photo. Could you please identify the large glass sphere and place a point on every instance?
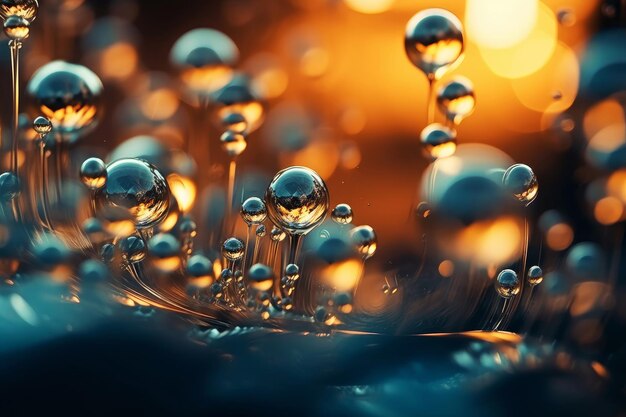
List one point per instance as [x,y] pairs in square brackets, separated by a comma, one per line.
[137,187]
[26,9]
[297,200]
[68,95]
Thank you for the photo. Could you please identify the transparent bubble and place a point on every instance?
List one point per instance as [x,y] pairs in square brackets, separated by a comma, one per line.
[520,180]
[261,277]
[9,186]
[253,211]
[238,99]
[342,214]
[233,249]
[107,253]
[297,200]
[456,99]
[68,95]
[433,41]
[217,289]
[324,316]
[287,304]
[234,121]
[199,266]
[507,284]
[16,28]
[42,125]
[292,272]
[137,187]
[93,173]
[438,141]
[364,240]
[26,9]
[277,235]
[49,250]
[261,231]
[133,249]
[226,276]
[233,143]
[535,275]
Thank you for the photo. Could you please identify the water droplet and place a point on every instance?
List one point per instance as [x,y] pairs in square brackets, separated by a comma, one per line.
[107,253]
[238,97]
[438,141]
[507,284]
[456,99]
[233,143]
[535,275]
[520,181]
[292,272]
[16,28]
[423,210]
[235,122]
[9,186]
[217,290]
[364,239]
[93,173]
[566,17]
[253,211]
[261,231]
[199,266]
[42,125]
[287,304]
[261,277]
[323,316]
[342,214]
[133,249]
[226,276]
[277,235]
[233,249]
[26,9]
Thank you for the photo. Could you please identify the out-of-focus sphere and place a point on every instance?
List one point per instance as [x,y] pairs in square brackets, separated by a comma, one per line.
[133,249]
[261,231]
[277,235]
[520,180]
[438,141]
[26,9]
[535,275]
[199,266]
[292,272]
[297,200]
[239,98]
[204,58]
[68,95]
[42,125]
[253,211]
[364,240]
[137,187]
[16,28]
[456,99]
[507,283]
[342,214]
[93,173]
[261,277]
[233,249]
[9,186]
[164,246]
[233,143]
[235,122]
[433,41]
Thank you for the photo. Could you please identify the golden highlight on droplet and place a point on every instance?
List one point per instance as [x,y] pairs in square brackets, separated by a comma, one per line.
[184,191]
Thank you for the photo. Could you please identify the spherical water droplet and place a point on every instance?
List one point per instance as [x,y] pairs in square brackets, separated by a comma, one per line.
[49,250]
[253,211]
[438,141]
[433,41]
[277,235]
[42,125]
[164,245]
[535,275]
[586,261]
[323,316]
[226,276]
[507,283]
[423,210]
[520,180]
[364,239]
[187,227]
[93,173]
[199,266]
[16,28]
[342,214]
[292,272]
[93,272]
[233,249]
[456,99]
[133,249]
[137,187]
[287,304]
[217,290]
[261,277]
[9,186]
[297,200]
[69,95]
[261,231]
[235,122]
[238,97]
[107,253]
[233,143]
[26,9]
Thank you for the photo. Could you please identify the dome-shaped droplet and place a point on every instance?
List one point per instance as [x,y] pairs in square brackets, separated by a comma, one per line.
[42,125]
[438,141]
[342,214]
[292,272]
[261,231]
[535,275]
[133,249]
[26,9]
[233,143]
[456,99]
[253,211]
[199,266]
[507,284]
[16,28]
[233,249]
[9,186]
[261,277]
[364,240]
[93,173]
[277,235]
[520,180]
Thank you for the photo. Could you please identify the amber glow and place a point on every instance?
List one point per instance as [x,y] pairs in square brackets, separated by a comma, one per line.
[160,104]
[490,241]
[343,276]
[118,61]
[511,20]
[70,117]
[184,191]
[559,236]
[369,6]
[446,268]
[608,210]
[589,296]
[207,79]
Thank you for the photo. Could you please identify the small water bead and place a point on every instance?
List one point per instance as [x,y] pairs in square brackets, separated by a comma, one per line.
[137,187]
[456,99]
[164,245]
[261,277]
[433,41]
[133,249]
[92,226]
[297,200]
[187,227]
[342,214]
[520,180]
[199,266]
[217,289]
[238,97]
[226,276]
[277,235]
[26,9]
[324,316]
[42,125]
[107,253]
[9,186]
[423,210]
[535,275]
[566,17]
[287,304]
[253,211]
[233,143]
[261,231]
[234,122]
[364,240]
[292,272]
[507,284]
[438,141]
[16,28]
[233,249]
[93,173]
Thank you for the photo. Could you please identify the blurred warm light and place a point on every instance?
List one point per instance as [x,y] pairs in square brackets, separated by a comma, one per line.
[602,115]
[184,191]
[118,61]
[268,78]
[201,282]
[608,210]
[343,276]
[350,155]
[352,120]
[20,158]
[252,111]
[169,222]
[554,87]
[491,241]
[160,104]
[616,185]
[590,295]
[369,6]
[314,62]
[500,24]
[599,369]
[446,268]
[167,265]
[206,79]
[559,236]
[120,228]
[322,156]
[530,54]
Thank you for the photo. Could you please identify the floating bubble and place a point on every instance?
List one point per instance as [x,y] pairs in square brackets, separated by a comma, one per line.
[261,231]
[233,249]
[42,125]
[93,173]
[253,211]
[342,214]
[438,141]
[165,250]
[433,41]
[364,239]
[297,200]
[26,9]
[137,187]
[16,28]
[261,277]
[535,275]
[521,181]
[9,186]
[133,249]
[423,210]
[277,235]
[233,143]
[199,266]
[507,284]
[456,99]
[68,95]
